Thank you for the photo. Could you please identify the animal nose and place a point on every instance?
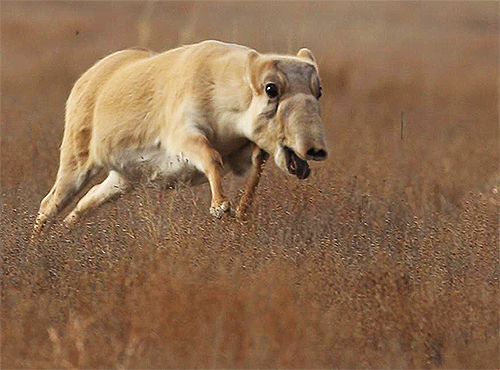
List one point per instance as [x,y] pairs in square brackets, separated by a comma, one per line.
[316,154]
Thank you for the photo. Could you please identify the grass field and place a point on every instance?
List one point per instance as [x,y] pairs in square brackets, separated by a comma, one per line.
[386,257]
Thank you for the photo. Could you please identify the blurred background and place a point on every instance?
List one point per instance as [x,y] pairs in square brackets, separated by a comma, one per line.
[385,257]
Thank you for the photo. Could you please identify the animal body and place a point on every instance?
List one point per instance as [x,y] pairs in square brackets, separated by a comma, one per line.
[192,113]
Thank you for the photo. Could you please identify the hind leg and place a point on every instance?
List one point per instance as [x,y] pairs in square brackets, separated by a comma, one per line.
[114,184]
[69,182]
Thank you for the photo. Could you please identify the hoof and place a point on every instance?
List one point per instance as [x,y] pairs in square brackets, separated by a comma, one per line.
[41,219]
[219,210]
[241,214]
[70,219]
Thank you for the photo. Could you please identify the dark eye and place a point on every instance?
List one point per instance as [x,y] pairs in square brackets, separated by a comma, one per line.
[272,90]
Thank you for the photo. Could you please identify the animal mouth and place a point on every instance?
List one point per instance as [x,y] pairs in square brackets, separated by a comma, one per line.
[295,165]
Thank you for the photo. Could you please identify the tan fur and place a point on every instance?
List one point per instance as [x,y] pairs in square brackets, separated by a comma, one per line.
[258,158]
[190,114]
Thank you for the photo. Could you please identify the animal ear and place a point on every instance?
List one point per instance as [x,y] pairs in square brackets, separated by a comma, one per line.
[251,58]
[307,54]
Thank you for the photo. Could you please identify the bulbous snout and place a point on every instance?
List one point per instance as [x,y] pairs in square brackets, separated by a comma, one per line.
[304,132]
[312,147]
[316,154]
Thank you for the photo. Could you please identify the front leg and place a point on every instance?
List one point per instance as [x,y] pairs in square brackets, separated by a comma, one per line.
[198,150]
[259,156]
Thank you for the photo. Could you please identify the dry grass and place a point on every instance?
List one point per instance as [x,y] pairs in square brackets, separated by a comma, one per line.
[387,257]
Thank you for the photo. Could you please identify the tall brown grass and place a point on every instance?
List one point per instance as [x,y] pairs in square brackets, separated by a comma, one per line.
[387,257]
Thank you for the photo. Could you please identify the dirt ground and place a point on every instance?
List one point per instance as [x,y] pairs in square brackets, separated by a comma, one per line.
[386,257]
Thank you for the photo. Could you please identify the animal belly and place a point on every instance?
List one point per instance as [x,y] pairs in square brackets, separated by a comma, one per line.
[156,164]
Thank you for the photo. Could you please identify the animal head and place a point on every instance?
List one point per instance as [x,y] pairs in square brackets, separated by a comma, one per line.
[286,109]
